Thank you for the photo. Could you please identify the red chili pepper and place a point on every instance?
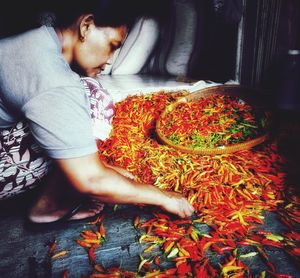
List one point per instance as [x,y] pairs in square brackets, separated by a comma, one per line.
[216,248]
[64,274]
[294,251]
[182,222]
[161,215]
[293,235]
[280,275]
[270,265]
[183,269]
[97,220]
[52,248]
[171,271]
[156,260]
[91,254]
[272,243]
[287,223]
[98,268]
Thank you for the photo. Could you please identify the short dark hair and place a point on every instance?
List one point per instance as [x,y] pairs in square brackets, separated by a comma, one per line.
[20,16]
[111,13]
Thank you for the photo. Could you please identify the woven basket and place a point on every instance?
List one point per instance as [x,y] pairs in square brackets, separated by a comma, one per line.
[247,94]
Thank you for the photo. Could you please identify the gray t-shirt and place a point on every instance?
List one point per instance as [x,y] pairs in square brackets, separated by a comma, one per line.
[37,84]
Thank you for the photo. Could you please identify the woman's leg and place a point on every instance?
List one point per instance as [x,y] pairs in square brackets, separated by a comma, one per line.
[57,199]
[22,162]
[57,196]
[23,165]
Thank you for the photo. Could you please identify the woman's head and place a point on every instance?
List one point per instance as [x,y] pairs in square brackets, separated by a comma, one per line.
[93,46]
[92,30]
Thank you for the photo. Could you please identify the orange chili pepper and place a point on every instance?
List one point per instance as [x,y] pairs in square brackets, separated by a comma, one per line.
[82,243]
[136,221]
[59,254]
[102,230]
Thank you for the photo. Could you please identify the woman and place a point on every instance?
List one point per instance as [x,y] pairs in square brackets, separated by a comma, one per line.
[41,85]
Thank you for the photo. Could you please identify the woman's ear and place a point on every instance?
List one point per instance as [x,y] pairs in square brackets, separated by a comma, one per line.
[85,22]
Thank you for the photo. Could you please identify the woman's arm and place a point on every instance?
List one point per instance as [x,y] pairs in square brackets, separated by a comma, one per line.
[121,171]
[90,176]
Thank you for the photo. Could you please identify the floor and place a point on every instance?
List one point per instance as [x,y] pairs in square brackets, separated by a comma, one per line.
[24,248]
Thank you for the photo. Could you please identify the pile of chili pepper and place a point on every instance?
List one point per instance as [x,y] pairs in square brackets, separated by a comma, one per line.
[92,239]
[229,192]
[210,122]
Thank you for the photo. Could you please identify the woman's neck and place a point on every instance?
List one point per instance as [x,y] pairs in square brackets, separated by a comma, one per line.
[66,42]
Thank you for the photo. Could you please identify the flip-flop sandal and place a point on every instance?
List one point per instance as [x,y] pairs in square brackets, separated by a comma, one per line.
[66,218]
[70,213]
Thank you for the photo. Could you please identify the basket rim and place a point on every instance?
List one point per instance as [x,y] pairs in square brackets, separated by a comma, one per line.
[208,151]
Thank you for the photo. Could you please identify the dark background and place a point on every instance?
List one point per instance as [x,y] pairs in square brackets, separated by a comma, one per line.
[268,30]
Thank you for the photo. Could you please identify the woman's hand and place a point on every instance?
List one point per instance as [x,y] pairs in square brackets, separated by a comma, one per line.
[177,204]
[88,175]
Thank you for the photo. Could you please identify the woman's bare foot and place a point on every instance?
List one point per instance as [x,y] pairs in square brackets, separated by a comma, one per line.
[58,199]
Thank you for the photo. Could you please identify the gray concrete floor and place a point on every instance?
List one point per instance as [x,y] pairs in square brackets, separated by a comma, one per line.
[23,248]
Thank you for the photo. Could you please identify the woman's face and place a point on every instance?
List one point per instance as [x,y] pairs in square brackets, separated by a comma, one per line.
[91,55]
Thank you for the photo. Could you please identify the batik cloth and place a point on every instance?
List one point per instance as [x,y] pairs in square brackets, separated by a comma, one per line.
[23,163]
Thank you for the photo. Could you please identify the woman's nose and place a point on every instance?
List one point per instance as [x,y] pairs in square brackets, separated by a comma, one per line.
[109,60]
